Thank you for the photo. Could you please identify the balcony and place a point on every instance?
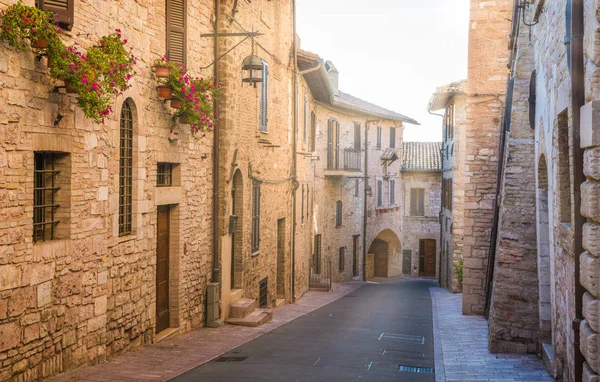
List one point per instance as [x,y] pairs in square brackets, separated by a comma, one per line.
[349,165]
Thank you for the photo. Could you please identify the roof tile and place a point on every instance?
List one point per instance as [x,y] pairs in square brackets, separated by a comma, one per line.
[422,157]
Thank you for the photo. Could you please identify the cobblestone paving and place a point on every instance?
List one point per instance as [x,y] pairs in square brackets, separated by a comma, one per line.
[461,347]
[176,355]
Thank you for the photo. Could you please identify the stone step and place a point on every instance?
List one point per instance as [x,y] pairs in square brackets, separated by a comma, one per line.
[242,307]
[547,357]
[254,319]
[280,302]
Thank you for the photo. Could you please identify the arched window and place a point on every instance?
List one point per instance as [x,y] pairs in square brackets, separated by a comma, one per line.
[125,170]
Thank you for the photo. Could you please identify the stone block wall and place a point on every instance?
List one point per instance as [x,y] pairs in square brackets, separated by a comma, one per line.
[91,294]
[514,316]
[486,85]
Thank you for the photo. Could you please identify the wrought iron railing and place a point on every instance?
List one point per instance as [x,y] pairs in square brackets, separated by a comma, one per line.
[320,275]
[352,160]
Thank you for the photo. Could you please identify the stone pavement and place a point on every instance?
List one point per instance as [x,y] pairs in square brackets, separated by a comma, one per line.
[461,347]
[176,355]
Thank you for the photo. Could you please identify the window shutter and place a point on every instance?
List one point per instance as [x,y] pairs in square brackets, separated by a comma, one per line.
[338,213]
[264,101]
[357,142]
[379,193]
[392,192]
[392,137]
[378,137]
[413,202]
[63,8]
[255,216]
[176,39]
[421,202]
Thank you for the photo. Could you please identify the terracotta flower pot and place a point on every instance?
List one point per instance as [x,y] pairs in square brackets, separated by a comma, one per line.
[184,119]
[176,103]
[41,43]
[164,92]
[161,71]
[69,88]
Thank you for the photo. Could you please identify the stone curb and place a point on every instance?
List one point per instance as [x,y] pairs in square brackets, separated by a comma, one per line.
[440,373]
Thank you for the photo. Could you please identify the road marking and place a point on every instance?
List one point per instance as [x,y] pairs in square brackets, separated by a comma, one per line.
[315,364]
[379,339]
[369,365]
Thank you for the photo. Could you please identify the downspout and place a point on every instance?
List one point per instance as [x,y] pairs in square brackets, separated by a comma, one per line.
[294,150]
[216,139]
[577,99]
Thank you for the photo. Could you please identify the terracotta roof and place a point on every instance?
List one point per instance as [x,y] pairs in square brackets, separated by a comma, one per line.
[422,157]
[350,102]
[389,155]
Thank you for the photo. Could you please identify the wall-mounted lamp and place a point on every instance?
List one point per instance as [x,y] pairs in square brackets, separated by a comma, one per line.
[252,68]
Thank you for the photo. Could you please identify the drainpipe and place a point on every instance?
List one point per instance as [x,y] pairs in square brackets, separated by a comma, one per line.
[365,200]
[577,99]
[216,151]
[294,149]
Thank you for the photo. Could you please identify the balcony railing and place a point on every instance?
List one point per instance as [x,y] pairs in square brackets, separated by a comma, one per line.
[352,160]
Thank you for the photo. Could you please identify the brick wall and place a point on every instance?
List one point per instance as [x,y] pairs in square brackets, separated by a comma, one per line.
[488,57]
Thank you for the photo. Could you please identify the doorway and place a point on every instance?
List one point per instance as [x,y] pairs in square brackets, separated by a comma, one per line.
[406,261]
[281,258]
[427,257]
[162,268]
[380,250]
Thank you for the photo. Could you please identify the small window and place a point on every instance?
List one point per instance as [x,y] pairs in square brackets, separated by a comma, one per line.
[64,9]
[176,31]
[417,202]
[264,98]
[378,144]
[338,213]
[392,192]
[341,258]
[356,187]
[50,190]
[255,216]
[392,137]
[379,193]
[305,135]
[357,138]
[164,175]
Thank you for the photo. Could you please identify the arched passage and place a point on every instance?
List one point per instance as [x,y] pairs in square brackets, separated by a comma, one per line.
[237,208]
[544,271]
[381,254]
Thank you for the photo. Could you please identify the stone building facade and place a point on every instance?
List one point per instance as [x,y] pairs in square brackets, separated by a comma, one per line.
[422,202]
[543,292]
[88,290]
[255,202]
[451,99]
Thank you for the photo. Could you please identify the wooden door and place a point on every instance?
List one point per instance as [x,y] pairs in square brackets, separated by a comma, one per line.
[380,258]
[162,269]
[427,258]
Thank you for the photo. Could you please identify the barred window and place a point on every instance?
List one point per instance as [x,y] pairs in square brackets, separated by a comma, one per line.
[164,174]
[125,170]
[45,189]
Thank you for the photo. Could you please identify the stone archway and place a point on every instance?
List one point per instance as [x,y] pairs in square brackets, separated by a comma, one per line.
[237,208]
[383,259]
[544,269]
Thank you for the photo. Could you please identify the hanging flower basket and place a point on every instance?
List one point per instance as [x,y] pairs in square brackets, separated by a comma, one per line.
[161,71]
[164,91]
[176,103]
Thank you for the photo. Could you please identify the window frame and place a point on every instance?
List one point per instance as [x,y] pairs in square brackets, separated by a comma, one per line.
[417,202]
[170,29]
[41,194]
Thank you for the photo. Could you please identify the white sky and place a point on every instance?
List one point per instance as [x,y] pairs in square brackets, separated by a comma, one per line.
[393,53]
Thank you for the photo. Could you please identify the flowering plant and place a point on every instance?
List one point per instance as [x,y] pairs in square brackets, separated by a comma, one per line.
[22,26]
[96,77]
[197,96]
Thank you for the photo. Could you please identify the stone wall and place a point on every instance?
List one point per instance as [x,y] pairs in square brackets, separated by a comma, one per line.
[91,294]
[486,85]
[417,228]
[515,280]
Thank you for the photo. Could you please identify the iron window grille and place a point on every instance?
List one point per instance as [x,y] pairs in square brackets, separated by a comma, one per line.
[44,197]
[264,102]
[164,174]
[125,171]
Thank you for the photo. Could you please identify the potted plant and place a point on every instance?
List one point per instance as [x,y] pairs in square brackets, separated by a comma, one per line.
[23,26]
[162,67]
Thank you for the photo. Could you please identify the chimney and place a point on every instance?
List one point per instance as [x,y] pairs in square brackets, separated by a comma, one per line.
[332,74]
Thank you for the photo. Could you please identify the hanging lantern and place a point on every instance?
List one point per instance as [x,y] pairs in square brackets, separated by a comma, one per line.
[252,68]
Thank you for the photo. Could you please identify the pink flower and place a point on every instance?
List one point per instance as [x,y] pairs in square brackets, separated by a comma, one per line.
[26,20]
[95,86]
[125,41]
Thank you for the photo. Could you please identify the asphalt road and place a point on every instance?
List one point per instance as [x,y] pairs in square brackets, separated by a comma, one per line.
[380,332]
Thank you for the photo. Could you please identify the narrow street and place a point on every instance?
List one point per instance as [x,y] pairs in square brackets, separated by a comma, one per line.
[369,334]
